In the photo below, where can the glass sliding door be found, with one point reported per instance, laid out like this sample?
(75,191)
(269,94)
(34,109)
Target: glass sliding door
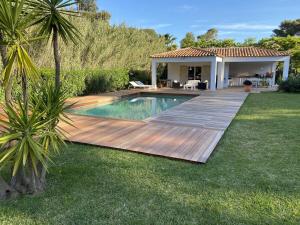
(194,73)
(191,73)
(198,71)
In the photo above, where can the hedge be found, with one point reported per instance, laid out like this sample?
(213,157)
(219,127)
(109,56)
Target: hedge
(97,81)
(141,75)
(145,75)
(292,84)
(79,82)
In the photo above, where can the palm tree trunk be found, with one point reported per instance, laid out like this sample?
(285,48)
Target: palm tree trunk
(3,51)
(56,57)
(6,191)
(25,91)
(20,182)
(26,181)
(8,89)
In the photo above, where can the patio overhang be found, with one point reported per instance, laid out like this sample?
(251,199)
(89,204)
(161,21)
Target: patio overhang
(212,60)
(218,58)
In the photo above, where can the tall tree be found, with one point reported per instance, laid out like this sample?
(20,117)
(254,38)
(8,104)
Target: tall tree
(291,44)
(288,27)
(188,41)
(211,34)
(249,42)
(29,128)
(14,20)
(202,43)
(103,15)
(170,41)
(87,5)
(53,21)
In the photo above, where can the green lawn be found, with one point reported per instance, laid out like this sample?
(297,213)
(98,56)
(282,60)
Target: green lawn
(253,177)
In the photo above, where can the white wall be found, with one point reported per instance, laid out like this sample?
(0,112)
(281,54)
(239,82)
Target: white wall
(240,69)
(184,75)
(205,75)
(179,71)
(173,71)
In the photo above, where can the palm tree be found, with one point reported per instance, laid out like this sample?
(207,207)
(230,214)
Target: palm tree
(169,41)
(3,50)
(14,21)
(53,23)
(27,138)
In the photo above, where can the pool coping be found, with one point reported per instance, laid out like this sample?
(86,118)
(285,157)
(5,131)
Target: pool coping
(115,99)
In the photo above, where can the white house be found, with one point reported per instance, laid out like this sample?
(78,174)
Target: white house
(221,67)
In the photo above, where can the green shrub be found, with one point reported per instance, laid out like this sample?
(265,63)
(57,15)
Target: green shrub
(292,84)
(72,81)
(141,75)
(98,81)
(78,82)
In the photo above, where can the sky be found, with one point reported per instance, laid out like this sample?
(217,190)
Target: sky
(237,19)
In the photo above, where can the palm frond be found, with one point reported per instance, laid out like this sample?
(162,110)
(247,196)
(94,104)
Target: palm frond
(14,20)
(24,132)
(52,102)
(51,14)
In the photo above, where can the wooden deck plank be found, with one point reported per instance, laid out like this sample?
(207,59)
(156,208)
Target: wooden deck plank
(209,110)
(189,131)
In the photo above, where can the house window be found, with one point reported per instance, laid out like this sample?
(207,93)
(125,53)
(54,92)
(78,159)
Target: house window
(191,73)
(194,73)
(198,73)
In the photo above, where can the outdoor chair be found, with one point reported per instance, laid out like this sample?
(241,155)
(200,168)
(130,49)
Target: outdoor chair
(139,84)
(192,84)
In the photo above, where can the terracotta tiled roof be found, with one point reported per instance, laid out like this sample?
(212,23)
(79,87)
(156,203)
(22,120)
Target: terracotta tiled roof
(246,52)
(221,52)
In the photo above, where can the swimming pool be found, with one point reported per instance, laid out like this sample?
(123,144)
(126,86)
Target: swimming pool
(135,107)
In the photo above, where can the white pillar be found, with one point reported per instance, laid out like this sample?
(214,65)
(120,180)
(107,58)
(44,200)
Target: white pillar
(154,73)
(213,74)
(226,75)
(274,66)
(221,72)
(286,68)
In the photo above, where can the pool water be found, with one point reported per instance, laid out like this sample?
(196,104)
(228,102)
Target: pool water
(134,108)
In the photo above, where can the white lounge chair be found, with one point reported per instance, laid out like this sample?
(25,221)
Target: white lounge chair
(191,84)
(139,84)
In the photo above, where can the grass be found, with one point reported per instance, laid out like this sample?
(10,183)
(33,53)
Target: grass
(252,178)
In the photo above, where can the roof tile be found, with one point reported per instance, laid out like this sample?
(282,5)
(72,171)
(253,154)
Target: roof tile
(221,52)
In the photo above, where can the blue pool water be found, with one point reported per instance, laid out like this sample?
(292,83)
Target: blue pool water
(134,108)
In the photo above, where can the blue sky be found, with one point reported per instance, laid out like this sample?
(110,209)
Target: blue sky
(237,19)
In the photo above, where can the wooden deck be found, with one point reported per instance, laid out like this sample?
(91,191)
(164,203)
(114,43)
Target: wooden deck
(213,110)
(189,131)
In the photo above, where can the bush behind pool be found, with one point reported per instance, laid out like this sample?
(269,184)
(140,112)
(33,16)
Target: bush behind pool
(292,84)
